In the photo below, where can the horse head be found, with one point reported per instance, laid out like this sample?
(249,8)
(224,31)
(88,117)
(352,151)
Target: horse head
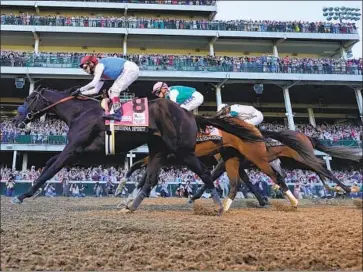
(32,107)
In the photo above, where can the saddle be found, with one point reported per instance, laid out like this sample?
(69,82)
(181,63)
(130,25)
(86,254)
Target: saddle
(209,134)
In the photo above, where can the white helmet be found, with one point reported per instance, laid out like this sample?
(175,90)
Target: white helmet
(157,86)
(221,106)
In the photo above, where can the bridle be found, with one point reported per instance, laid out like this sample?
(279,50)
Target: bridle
(32,114)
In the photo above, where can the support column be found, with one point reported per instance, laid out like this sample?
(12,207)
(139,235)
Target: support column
(311,117)
(125,45)
(31,87)
(327,162)
(36,46)
(25,161)
(218,96)
(211,49)
(358,96)
(290,117)
(15,153)
(36,41)
(343,52)
(275,50)
(126,163)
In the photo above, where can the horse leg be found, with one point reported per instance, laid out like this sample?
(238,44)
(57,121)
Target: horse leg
(243,175)
(195,165)
(150,178)
(262,163)
(55,164)
(231,166)
(216,173)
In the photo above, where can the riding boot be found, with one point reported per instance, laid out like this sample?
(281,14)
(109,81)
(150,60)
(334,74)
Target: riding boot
(117,109)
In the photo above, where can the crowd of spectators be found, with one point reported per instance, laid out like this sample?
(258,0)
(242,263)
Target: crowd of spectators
(41,130)
(105,179)
(262,64)
(172,23)
(325,131)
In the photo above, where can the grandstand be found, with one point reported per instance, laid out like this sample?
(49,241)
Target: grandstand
(304,69)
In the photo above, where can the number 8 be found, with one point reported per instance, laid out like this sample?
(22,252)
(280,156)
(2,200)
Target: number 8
(138,105)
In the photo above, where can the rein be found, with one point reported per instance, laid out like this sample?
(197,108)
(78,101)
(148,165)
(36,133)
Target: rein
(31,115)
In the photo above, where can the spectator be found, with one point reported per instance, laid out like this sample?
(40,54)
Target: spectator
(50,190)
(10,186)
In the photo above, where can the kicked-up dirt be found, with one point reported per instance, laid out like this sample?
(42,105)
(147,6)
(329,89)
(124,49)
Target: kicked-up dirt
(167,234)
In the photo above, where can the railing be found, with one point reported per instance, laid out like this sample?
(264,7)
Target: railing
(122,22)
(350,143)
(61,140)
(160,2)
(35,139)
(204,64)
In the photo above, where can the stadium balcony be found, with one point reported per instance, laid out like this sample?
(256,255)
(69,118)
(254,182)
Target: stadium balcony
(262,64)
(160,2)
(175,24)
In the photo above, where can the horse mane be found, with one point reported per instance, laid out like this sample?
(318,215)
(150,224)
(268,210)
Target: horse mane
(242,130)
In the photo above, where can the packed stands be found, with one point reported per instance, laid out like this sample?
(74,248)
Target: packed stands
(261,64)
(171,23)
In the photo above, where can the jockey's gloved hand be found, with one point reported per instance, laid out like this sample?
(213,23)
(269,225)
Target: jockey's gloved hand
(76,92)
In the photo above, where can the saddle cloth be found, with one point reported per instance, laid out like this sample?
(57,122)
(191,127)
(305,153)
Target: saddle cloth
(135,118)
(209,134)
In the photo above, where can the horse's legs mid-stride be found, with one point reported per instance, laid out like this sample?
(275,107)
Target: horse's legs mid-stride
(195,165)
(153,168)
(257,154)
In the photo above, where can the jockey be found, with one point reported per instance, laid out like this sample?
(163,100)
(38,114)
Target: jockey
(188,98)
(124,73)
(248,114)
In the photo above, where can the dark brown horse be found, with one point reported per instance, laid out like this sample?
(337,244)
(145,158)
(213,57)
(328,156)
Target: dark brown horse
(172,130)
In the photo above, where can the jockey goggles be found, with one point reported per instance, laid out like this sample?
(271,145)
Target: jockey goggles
(158,90)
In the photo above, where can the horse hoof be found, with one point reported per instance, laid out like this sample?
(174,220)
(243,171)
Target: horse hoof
(15,200)
(220,211)
(125,210)
(190,201)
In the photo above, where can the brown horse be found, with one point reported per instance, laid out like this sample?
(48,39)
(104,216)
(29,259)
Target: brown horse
(255,152)
(231,162)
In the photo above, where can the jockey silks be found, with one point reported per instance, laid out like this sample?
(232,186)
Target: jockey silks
(113,67)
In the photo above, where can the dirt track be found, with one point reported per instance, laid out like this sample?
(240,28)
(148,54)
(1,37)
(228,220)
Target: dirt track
(89,234)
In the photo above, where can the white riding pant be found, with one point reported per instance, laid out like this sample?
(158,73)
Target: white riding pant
(255,119)
(194,102)
(130,73)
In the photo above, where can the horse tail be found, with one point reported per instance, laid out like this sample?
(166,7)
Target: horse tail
(137,165)
(342,152)
(290,139)
(226,124)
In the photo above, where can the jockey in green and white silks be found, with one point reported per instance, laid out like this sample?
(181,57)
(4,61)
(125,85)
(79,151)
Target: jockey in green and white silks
(187,97)
(248,114)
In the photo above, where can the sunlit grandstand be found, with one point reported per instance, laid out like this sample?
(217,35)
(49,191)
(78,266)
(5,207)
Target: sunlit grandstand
(302,76)
(301,71)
